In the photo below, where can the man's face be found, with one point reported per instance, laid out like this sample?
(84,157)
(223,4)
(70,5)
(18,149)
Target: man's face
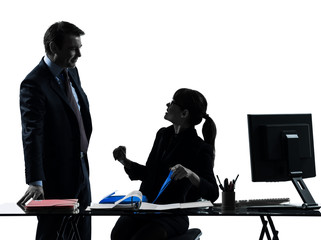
(68,54)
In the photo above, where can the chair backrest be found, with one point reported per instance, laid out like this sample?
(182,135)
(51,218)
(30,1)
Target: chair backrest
(191,234)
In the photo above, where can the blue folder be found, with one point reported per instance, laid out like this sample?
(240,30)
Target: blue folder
(111,198)
(114,198)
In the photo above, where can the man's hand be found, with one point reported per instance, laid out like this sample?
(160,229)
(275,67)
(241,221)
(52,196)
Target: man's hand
(34,192)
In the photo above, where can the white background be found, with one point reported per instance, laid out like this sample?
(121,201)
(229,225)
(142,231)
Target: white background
(244,56)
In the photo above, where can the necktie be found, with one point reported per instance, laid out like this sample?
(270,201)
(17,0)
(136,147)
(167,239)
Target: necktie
(74,105)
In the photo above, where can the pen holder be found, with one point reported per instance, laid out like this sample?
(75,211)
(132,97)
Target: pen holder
(228,202)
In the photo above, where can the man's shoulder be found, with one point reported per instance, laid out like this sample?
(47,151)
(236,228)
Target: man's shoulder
(38,72)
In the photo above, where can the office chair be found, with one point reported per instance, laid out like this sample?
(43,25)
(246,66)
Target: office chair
(191,234)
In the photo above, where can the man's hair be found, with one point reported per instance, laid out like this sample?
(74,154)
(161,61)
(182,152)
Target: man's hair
(56,33)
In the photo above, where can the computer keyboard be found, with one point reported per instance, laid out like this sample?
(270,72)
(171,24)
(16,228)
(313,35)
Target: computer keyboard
(261,202)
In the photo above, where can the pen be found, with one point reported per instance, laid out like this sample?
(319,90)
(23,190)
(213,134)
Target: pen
(221,186)
(226,187)
(231,186)
(234,181)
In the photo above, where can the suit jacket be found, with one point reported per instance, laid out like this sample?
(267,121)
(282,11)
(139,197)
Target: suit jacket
(50,132)
(170,149)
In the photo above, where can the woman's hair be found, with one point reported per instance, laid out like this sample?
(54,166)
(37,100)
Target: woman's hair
(196,104)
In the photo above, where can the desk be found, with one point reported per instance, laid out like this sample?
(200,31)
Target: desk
(265,216)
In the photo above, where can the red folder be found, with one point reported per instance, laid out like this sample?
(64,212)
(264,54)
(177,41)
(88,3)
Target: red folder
(52,204)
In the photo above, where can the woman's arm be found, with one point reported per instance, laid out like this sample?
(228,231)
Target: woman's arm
(120,155)
(134,170)
(200,174)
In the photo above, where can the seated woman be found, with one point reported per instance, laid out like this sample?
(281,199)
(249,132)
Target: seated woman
(180,149)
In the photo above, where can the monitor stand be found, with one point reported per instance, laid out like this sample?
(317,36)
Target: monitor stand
(308,201)
(292,142)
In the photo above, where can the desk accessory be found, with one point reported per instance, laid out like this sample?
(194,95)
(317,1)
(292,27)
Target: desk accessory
(228,194)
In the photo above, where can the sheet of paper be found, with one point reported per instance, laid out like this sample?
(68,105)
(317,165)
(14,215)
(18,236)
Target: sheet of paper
(158,207)
(198,204)
(134,193)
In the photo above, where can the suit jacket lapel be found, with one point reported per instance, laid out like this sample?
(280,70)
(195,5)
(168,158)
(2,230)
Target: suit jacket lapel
(55,86)
(59,91)
(53,82)
(84,106)
(79,90)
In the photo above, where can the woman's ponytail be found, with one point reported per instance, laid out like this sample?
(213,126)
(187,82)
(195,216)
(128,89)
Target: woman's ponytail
(209,131)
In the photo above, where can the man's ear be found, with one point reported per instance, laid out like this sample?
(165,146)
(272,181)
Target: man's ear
(53,47)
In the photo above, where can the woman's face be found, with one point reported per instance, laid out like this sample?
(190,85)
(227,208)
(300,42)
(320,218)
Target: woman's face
(173,113)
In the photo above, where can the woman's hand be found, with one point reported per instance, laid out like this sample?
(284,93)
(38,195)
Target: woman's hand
(120,155)
(180,172)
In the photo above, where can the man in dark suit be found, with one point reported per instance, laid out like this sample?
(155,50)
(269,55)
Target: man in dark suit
(55,134)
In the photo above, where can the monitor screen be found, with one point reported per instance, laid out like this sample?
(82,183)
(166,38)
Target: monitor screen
(279,145)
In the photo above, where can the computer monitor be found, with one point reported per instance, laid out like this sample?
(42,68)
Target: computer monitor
(281,149)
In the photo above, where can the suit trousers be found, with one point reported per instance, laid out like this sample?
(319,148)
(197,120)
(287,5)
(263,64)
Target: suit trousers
(49,225)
